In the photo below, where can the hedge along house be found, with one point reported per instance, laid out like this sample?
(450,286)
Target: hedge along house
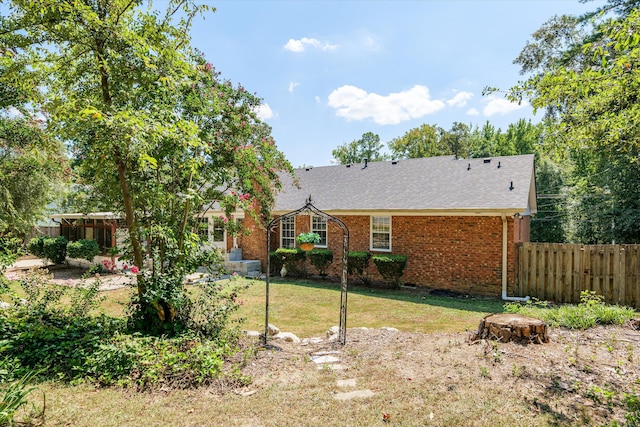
(457,220)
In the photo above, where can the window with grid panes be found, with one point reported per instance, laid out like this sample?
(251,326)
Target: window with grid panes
(381,233)
(319,226)
(288,233)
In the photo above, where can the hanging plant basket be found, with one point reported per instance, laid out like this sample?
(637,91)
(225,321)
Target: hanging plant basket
(307,246)
(307,240)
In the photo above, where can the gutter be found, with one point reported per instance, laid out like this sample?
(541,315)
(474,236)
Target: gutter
(504,264)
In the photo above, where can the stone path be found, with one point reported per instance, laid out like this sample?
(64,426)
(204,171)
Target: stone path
(330,360)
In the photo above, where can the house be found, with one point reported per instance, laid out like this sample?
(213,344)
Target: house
(457,220)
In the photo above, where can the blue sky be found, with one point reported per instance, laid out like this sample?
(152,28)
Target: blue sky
(329,71)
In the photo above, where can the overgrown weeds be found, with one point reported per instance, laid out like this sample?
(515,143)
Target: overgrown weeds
(590,312)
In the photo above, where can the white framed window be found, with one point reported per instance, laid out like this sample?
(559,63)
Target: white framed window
(319,226)
(217,231)
(288,232)
(381,233)
(202,229)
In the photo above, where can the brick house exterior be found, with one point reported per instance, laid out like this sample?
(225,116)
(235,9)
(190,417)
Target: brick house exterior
(452,218)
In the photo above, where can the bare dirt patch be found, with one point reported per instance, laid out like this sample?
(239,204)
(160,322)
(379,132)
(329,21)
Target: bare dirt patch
(578,378)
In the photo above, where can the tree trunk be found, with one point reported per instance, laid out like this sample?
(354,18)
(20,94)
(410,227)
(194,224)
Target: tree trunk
(507,327)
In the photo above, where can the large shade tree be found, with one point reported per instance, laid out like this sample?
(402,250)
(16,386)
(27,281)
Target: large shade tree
(154,130)
(586,77)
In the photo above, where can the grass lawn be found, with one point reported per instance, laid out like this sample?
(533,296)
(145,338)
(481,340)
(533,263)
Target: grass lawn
(436,378)
(309,308)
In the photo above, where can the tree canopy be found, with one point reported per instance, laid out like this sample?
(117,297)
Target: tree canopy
(368,147)
(154,131)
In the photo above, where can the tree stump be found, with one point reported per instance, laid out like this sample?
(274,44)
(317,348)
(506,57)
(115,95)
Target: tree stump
(507,327)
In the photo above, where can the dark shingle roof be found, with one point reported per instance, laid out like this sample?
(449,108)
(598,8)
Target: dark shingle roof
(434,183)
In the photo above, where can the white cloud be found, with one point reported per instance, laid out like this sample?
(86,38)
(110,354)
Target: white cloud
(317,98)
(356,104)
(503,106)
(300,45)
(264,112)
(293,85)
(460,99)
(473,112)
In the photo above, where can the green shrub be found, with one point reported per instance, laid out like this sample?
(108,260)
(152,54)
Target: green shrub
(83,249)
(55,335)
(292,260)
(357,265)
(35,246)
(10,248)
(320,259)
(55,250)
(391,267)
(275,262)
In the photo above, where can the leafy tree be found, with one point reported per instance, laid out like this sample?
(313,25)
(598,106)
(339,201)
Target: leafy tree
(30,170)
(368,147)
(423,141)
(456,140)
(589,89)
(154,131)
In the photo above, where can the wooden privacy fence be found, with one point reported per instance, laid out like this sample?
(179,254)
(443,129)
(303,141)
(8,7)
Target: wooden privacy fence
(559,272)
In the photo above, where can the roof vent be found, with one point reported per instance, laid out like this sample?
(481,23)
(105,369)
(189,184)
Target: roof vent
(469,167)
(366,161)
(307,169)
(349,165)
(394,162)
(499,165)
(487,161)
(511,187)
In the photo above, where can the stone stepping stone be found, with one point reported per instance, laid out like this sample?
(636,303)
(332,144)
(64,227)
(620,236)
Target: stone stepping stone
(326,353)
(321,360)
(354,394)
(346,383)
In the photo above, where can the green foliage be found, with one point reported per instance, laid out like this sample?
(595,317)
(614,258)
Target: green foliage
(368,147)
(275,262)
(51,335)
(36,246)
(156,310)
(55,334)
(32,166)
(320,259)
(14,399)
(164,109)
(591,311)
(291,259)
(55,249)
(308,238)
(147,362)
(211,306)
(83,249)
(391,267)
(358,264)
(10,248)
(423,141)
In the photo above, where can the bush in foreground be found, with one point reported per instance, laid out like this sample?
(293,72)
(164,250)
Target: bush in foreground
(57,333)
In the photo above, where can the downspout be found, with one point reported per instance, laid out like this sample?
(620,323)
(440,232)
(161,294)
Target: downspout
(505,245)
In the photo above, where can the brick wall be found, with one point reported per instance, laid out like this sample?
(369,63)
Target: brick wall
(462,254)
